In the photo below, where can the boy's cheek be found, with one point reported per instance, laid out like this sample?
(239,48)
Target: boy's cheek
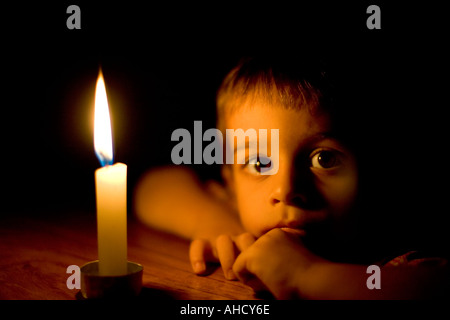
(253,219)
(339,191)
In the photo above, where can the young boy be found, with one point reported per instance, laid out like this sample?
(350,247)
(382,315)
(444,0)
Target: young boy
(297,232)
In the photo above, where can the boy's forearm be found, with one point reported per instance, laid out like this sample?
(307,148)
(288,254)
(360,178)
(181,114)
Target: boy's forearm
(174,200)
(345,281)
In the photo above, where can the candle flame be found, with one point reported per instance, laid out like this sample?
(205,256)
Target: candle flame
(102,124)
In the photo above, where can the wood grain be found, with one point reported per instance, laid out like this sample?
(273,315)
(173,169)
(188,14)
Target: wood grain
(36,251)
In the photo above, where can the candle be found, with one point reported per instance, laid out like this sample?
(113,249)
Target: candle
(111,194)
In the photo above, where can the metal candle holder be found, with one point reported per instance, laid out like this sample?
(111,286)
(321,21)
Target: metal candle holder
(96,286)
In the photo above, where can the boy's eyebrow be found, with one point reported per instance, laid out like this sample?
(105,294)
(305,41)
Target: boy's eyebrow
(319,137)
(243,146)
(308,141)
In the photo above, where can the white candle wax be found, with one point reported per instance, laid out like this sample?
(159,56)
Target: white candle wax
(111,194)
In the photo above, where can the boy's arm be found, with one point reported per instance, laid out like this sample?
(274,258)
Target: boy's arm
(280,263)
(173,199)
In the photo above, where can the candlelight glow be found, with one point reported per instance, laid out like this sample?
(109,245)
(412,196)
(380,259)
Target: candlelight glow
(102,125)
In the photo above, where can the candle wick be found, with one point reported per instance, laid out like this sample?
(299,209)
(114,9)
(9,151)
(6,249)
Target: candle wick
(104,160)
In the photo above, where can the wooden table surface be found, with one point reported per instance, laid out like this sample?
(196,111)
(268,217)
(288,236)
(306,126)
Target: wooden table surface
(36,251)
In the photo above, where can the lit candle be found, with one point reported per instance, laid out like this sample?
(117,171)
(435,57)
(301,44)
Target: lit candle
(111,193)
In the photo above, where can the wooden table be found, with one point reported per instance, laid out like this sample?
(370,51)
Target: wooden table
(36,251)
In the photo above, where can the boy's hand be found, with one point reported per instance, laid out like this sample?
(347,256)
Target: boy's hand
(277,262)
(223,249)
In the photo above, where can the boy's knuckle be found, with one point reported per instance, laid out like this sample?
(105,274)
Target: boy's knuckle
(246,237)
(223,238)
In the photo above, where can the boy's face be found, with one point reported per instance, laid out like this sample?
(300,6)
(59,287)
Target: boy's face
(316,183)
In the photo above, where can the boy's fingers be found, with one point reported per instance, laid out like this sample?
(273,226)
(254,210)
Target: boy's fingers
(244,240)
(226,253)
(200,252)
(240,268)
(246,276)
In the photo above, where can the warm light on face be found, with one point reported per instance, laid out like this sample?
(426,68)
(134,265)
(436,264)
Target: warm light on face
(102,125)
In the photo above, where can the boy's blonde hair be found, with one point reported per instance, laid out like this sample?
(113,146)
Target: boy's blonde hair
(288,83)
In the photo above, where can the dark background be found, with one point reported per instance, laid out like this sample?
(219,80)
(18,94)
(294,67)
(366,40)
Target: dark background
(162,66)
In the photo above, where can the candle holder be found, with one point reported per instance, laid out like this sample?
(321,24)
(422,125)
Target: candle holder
(96,286)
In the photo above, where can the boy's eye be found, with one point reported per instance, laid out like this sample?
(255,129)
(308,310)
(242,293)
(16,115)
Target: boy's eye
(254,165)
(325,159)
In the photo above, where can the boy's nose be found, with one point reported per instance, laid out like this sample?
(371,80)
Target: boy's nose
(295,188)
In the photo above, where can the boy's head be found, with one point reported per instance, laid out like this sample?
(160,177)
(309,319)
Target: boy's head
(315,187)
(290,84)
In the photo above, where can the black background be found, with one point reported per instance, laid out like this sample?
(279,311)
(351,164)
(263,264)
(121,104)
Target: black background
(162,66)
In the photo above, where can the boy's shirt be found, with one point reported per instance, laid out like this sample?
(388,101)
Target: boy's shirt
(415,258)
